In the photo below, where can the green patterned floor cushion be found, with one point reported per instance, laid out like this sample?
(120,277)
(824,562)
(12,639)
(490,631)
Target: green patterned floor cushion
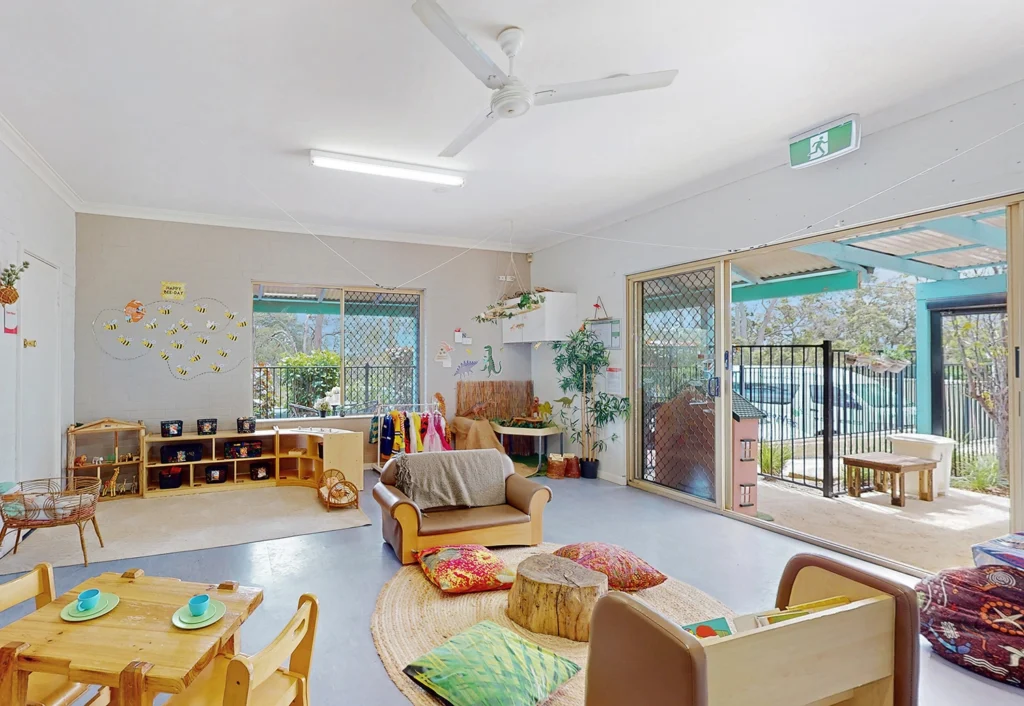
(488,665)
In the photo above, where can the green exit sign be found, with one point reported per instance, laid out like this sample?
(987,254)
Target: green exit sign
(824,143)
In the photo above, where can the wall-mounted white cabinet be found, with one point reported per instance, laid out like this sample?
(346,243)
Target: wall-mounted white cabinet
(554,321)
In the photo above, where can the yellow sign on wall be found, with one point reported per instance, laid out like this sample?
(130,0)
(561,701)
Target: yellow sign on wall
(172,290)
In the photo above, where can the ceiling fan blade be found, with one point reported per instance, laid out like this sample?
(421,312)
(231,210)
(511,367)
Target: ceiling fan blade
(563,92)
(464,48)
(469,134)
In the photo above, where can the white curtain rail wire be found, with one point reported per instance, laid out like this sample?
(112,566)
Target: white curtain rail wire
(793,235)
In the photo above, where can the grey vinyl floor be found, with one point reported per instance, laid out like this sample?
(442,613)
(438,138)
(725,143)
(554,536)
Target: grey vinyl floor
(737,563)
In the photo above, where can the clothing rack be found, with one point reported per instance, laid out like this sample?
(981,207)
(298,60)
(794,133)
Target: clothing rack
(379,411)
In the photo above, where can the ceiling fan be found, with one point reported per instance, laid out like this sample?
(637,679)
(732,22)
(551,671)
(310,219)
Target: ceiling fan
(512,97)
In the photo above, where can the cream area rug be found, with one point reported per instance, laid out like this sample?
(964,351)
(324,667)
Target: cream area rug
(136,527)
(413,616)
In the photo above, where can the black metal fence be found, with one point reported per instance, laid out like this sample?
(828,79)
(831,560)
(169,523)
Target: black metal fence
(821,407)
(281,391)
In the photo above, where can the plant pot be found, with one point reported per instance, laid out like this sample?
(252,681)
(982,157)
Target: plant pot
(8,295)
(588,468)
(323,413)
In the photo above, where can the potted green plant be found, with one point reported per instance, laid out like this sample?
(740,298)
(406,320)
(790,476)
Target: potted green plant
(323,406)
(8,278)
(580,360)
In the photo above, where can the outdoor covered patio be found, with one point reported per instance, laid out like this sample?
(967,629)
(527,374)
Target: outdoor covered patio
(823,401)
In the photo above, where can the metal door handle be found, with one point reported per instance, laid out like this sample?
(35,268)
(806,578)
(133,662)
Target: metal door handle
(28,343)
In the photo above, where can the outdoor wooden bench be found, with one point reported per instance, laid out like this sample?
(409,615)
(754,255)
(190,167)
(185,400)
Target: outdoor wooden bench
(895,465)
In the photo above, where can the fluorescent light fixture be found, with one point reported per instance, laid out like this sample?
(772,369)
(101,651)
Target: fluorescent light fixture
(382,167)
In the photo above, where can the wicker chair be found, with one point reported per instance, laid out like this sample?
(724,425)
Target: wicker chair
(335,491)
(50,502)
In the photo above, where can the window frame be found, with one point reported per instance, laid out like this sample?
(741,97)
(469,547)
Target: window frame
(421,336)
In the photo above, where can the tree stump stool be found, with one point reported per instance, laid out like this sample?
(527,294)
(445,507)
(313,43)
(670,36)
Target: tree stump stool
(555,596)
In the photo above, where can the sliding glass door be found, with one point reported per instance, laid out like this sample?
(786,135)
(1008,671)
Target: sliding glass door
(675,364)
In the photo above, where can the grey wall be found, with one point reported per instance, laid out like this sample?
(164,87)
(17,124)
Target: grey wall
(121,259)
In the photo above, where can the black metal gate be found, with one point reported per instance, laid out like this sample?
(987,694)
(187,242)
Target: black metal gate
(820,406)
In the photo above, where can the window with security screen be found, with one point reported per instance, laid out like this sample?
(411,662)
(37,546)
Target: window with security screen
(321,351)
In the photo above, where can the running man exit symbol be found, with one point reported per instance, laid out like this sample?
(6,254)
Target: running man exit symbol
(825,142)
(819,146)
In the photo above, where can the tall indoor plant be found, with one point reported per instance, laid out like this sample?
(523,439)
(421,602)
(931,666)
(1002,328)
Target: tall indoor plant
(580,360)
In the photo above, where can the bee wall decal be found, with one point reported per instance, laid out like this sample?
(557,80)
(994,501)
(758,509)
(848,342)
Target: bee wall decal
(165,355)
(111,325)
(230,315)
(215,368)
(184,325)
(177,345)
(165,310)
(202,339)
(195,357)
(146,343)
(232,337)
(212,325)
(124,341)
(182,370)
(171,331)
(152,324)
(242,324)
(223,353)
(200,308)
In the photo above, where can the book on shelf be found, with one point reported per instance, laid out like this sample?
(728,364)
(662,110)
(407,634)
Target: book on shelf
(720,627)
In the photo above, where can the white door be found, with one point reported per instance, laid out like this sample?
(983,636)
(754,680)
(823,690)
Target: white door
(38,417)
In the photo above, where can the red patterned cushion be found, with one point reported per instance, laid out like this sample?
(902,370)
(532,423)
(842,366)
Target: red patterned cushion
(624,569)
(465,568)
(975,618)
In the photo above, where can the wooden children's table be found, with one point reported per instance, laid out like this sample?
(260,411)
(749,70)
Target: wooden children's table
(895,465)
(134,650)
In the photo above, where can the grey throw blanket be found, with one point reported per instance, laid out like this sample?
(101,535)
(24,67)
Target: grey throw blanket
(452,479)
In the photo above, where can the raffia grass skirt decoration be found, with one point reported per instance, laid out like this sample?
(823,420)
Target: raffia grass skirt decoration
(413,616)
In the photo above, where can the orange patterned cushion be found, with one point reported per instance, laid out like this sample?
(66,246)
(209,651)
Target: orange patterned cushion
(465,568)
(624,569)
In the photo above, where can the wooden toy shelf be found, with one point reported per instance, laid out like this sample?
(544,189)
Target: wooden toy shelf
(112,440)
(292,455)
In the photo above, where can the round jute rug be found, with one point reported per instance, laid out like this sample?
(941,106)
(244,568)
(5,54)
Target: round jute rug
(413,616)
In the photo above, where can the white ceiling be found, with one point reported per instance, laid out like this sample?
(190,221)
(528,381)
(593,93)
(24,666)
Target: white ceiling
(196,107)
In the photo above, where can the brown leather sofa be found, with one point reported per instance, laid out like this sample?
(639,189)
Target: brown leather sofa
(407,528)
(865,653)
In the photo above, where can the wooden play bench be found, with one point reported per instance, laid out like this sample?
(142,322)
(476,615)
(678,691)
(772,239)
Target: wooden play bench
(895,465)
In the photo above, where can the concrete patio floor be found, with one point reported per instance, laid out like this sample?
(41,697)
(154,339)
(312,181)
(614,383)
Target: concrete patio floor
(929,535)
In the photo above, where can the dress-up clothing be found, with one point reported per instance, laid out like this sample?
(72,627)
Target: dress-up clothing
(435,439)
(398,420)
(374,430)
(415,435)
(387,437)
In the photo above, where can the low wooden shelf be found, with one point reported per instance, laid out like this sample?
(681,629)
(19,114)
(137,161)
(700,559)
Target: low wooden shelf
(293,456)
(125,438)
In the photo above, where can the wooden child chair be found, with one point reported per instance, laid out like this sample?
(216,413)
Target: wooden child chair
(260,680)
(45,689)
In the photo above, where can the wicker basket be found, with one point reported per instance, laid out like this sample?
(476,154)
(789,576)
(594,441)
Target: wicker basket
(49,502)
(8,295)
(337,492)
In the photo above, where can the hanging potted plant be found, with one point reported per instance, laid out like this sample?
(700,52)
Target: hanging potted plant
(8,278)
(524,303)
(580,360)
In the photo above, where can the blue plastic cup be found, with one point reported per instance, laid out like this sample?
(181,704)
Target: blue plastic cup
(88,599)
(197,605)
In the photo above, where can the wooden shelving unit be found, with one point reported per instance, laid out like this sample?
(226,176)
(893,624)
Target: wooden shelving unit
(292,454)
(125,438)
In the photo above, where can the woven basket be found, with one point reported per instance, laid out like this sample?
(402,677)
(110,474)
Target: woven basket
(556,466)
(8,295)
(49,502)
